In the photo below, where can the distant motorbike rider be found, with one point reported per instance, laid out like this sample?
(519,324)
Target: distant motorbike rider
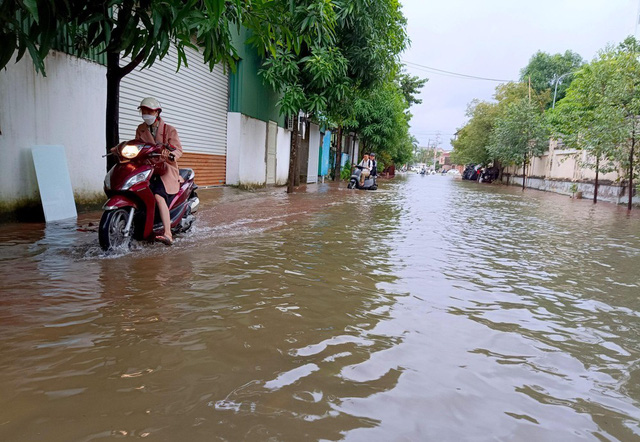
(374,164)
(154,130)
(366,168)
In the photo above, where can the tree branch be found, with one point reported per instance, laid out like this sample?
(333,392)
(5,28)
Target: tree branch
(124,70)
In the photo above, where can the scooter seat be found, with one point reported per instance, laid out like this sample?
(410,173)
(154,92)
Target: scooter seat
(184,173)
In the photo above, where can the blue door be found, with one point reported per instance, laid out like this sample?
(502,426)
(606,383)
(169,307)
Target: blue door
(325,148)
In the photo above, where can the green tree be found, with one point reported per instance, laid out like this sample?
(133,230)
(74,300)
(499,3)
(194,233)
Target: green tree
(519,134)
(383,124)
(474,137)
(371,34)
(623,97)
(602,110)
(583,122)
(301,61)
(545,70)
(410,86)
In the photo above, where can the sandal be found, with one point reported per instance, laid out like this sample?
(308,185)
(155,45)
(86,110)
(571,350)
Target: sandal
(164,240)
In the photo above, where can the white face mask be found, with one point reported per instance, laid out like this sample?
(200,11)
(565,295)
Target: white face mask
(149,119)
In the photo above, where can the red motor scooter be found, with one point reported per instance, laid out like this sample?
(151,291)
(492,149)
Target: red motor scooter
(131,211)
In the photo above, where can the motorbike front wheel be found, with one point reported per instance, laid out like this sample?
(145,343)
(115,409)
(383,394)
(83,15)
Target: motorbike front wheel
(111,230)
(352,184)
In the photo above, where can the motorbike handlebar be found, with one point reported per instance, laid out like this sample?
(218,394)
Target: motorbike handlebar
(172,157)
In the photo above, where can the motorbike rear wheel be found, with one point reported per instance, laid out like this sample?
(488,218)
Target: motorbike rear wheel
(111,229)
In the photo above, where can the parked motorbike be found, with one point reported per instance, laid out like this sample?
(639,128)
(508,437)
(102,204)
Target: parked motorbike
(370,183)
(489,175)
(130,211)
(470,172)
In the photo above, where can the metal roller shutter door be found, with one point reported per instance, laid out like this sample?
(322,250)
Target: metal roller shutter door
(194,101)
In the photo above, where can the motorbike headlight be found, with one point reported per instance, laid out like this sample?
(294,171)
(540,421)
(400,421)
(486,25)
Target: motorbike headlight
(137,178)
(130,151)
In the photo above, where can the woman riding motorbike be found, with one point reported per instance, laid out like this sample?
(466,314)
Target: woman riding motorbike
(154,130)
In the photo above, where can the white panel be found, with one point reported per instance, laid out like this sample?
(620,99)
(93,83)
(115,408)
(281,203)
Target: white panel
(194,101)
(272,133)
(314,152)
(284,152)
(253,164)
(54,183)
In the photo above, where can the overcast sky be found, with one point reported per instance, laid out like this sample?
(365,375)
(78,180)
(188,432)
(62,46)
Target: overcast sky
(495,39)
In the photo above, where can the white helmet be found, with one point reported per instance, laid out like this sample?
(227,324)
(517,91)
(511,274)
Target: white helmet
(150,103)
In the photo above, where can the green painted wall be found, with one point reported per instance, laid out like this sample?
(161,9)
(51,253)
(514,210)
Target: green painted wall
(247,93)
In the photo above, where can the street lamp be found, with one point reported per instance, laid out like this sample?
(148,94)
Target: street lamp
(555,92)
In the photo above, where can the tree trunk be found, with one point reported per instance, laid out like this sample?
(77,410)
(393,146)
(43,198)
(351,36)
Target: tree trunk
(498,166)
(113,104)
(633,145)
(595,189)
(293,155)
(338,165)
(114,75)
(524,171)
(296,172)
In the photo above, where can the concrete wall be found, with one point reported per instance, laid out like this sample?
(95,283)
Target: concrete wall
(563,164)
(606,192)
(558,169)
(246,151)
(246,144)
(67,107)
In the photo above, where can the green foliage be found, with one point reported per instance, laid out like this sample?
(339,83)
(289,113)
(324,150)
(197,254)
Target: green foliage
(382,123)
(143,30)
(371,34)
(410,86)
(301,59)
(600,111)
(545,69)
(473,144)
(519,134)
(573,188)
(470,147)
(345,173)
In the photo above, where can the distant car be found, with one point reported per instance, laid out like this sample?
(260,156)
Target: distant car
(453,172)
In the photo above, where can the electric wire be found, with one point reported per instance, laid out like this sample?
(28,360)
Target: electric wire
(451,74)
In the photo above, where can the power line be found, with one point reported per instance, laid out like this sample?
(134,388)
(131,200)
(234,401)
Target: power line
(451,74)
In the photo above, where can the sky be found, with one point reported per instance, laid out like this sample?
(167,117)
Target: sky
(495,39)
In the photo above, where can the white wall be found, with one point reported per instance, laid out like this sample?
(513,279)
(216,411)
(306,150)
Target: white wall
(233,147)
(314,152)
(283,155)
(246,150)
(67,107)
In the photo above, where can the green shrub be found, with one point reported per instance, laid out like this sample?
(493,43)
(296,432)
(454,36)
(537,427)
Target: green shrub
(345,173)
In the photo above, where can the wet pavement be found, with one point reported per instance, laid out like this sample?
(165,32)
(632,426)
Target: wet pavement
(431,309)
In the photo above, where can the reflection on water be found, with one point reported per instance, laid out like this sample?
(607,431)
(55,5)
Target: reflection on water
(430,309)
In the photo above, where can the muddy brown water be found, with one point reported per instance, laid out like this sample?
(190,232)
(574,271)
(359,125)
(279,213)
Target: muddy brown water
(431,309)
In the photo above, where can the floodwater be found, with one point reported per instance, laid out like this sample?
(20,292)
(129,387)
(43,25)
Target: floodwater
(431,309)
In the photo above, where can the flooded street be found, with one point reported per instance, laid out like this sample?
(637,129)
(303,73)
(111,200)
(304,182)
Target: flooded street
(431,309)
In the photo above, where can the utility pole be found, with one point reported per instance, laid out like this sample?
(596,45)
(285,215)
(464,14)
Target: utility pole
(435,149)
